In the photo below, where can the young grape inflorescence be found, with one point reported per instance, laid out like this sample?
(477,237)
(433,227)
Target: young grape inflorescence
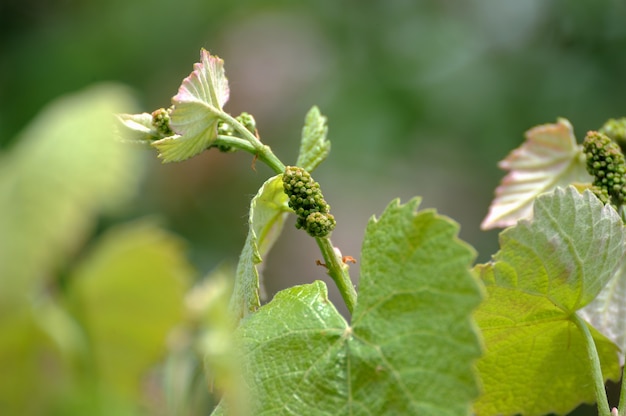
(307,201)
(605,162)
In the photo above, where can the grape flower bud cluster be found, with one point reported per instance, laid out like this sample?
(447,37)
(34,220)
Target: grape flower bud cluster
(616,130)
(307,201)
(161,121)
(605,162)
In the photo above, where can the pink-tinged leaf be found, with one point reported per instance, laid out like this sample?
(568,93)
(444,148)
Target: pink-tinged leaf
(550,157)
(197,109)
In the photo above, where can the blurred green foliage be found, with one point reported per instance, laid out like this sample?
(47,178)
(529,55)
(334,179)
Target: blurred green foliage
(423,98)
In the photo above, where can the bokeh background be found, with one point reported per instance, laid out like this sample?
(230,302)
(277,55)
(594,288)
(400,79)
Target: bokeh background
(423,99)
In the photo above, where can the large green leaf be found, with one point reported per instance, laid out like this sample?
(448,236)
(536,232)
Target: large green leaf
(197,107)
(546,270)
(65,169)
(314,147)
(129,293)
(411,344)
(268,211)
(549,157)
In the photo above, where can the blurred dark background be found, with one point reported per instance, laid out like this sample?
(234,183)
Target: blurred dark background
(423,98)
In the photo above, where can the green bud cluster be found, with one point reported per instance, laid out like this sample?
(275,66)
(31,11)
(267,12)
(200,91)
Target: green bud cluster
(605,162)
(248,122)
(226,129)
(161,121)
(307,201)
(616,130)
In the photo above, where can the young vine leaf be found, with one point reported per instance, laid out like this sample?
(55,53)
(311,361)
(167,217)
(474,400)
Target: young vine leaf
(547,269)
(314,147)
(137,128)
(549,157)
(410,347)
(268,211)
(197,109)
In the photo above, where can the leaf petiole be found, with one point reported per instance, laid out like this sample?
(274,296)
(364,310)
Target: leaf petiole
(622,395)
(256,147)
(596,369)
(338,271)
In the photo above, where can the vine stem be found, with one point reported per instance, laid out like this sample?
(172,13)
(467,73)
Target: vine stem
(338,271)
(596,369)
(622,395)
(262,151)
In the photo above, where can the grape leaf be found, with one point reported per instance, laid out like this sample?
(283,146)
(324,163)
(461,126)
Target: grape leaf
(197,109)
(129,293)
(605,312)
(547,269)
(268,211)
(548,158)
(65,169)
(314,147)
(411,342)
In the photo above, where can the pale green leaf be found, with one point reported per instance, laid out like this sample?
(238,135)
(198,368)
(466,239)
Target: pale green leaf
(550,157)
(314,147)
(129,293)
(607,311)
(268,211)
(66,167)
(547,268)
(197,109)
(410,348)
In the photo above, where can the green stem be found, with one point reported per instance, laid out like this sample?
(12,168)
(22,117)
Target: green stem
(257,148)
(622,395)
(338,271)
(596,369)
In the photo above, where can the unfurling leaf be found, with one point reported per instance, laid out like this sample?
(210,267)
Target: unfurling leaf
(314,147)
(268,211)
(197,109)
(546,270)
(548,158)
(137,128)
(410,347)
